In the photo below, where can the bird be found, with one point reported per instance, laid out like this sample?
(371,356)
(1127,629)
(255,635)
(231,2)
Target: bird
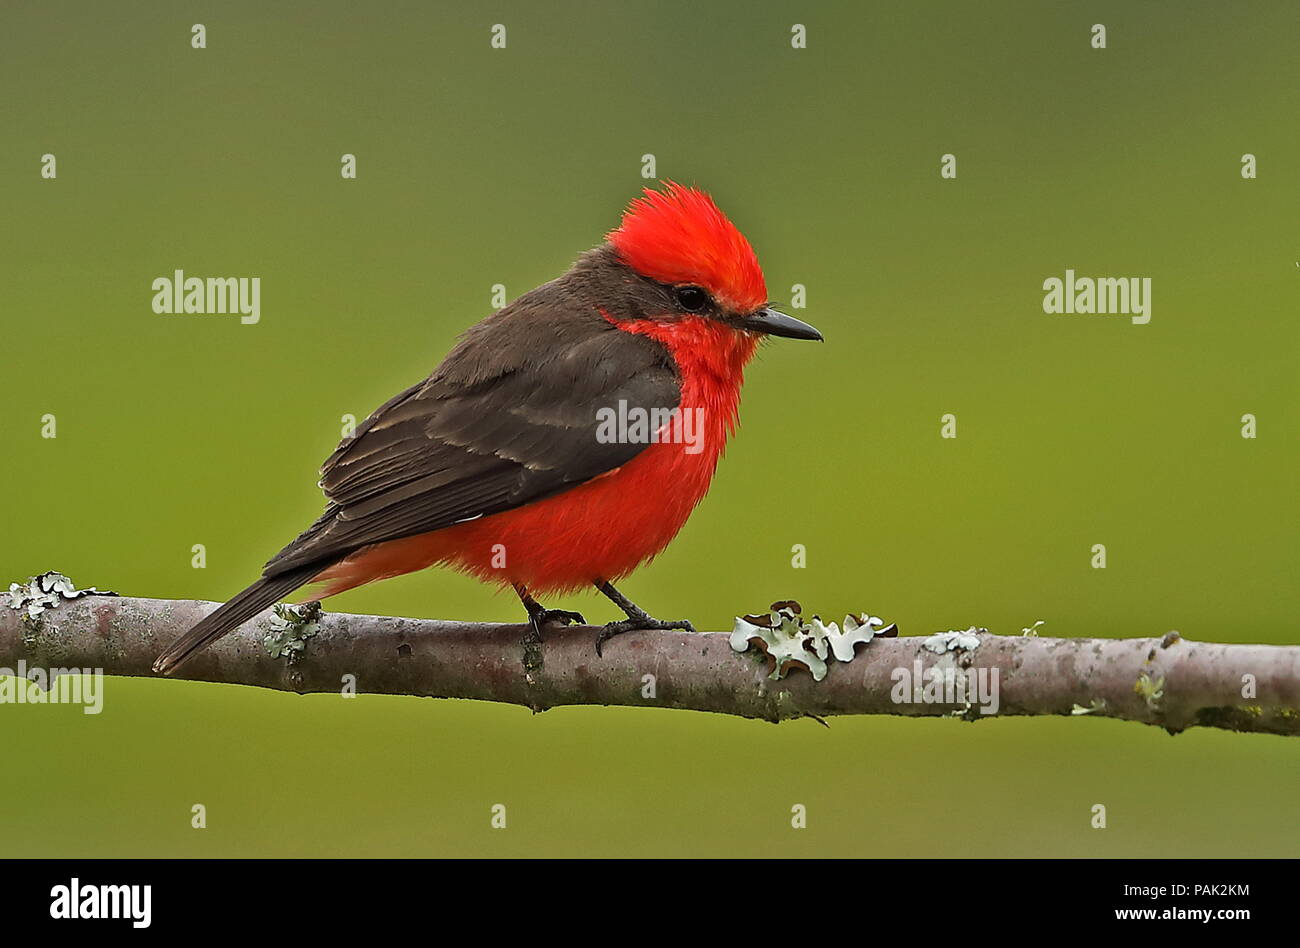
(531,457)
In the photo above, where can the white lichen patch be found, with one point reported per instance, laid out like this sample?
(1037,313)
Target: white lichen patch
(290,627)
(1151,689)
(46,591)
(789,641)
(858,630)
(954,641)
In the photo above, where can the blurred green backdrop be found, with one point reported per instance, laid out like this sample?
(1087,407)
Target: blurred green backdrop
(479,166)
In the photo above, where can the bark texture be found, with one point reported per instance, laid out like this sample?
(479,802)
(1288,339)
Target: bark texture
(1172,683)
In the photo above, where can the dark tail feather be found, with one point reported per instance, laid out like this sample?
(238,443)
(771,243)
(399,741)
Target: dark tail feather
(264,592)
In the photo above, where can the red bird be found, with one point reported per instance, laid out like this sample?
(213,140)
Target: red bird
(508,462)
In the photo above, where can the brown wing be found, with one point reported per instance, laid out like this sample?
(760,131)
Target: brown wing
(508,418)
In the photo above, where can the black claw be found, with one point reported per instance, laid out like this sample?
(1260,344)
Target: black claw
(636,624)
(562,616)
(532,634)
(608,632)
(538,617)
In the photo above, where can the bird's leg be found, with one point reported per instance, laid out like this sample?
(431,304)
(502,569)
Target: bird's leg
(538,617)
(637,618)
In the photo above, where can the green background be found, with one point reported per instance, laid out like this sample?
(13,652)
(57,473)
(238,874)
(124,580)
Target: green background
(480,166)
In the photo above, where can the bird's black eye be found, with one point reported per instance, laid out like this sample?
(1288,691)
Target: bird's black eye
(691,298)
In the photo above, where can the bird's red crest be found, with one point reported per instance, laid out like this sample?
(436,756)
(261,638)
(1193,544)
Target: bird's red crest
(678,235)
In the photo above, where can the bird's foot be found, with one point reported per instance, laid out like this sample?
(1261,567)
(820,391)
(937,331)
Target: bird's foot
(540,617)
(562,616)
(637,622)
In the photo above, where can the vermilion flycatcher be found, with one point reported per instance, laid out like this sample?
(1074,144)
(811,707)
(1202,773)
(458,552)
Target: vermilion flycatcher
(503,463)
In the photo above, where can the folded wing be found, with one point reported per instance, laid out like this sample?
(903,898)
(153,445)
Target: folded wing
(510,417)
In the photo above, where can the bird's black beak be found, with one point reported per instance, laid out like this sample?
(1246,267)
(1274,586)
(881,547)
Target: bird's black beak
(769,322)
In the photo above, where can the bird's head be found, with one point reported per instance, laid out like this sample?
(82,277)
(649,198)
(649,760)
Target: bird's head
(697,264)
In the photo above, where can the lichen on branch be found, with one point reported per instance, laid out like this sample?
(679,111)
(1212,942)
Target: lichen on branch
(1166,681)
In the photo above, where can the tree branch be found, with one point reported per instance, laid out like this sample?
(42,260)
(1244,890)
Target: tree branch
(1171,683)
